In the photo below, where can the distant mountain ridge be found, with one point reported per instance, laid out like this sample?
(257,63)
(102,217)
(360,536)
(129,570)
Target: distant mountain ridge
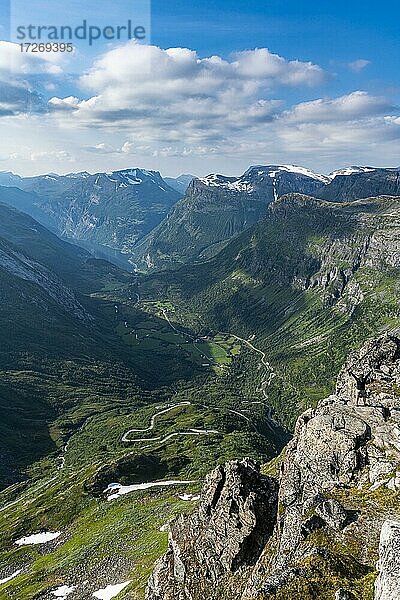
(313,279)
(142,221)
(216,208)
(106,212)
(181,183)
(362,182)
(166,375)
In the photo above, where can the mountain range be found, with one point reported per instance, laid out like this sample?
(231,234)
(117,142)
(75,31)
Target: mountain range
(140,221)
(106,212)
(121,390)
(216,208)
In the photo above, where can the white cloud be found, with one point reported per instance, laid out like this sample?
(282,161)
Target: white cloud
(164,94)
(68,103)
(356,105)
(172,110)
(175,151)
(60,156)
(263,65)
(12,60)
(358,65)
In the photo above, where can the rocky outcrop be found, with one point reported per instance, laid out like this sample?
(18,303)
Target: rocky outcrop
(338,484)
(226,534)
(349,442)
(388,583)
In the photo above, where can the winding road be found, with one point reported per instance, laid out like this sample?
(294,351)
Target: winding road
(191,432)
(153,420)
(265,383)
(160,439)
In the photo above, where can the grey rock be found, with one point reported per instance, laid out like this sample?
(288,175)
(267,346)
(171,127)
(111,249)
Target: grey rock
(237,545)
(333,514)
(342,594)
(350,440)
(388,583)
(227,532)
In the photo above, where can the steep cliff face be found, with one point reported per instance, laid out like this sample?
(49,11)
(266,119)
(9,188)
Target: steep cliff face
(217,208)
(106,212)
(351,184)
(21,266)
(339,485)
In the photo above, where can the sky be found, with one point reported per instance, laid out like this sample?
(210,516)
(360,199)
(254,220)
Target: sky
(215,86)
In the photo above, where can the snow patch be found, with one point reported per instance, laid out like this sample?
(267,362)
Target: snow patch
(110,591)
(242,184)
(63,591)
(273,170)
(189,497)
(306,172)
(7,579)
(38,538)
(351,170)
(121,490)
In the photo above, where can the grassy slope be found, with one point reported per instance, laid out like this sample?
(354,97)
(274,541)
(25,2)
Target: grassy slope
(247,290)
(86,384)
(273,282)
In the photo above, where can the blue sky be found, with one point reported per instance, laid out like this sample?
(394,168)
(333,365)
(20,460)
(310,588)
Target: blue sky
(323,91)
(329,33)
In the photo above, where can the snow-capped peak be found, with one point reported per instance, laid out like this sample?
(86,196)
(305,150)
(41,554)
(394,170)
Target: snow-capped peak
(306,172)
(215,180)
(248,182)
(236,184)
(274,170)
(81,175)
(350,171)
(127,177)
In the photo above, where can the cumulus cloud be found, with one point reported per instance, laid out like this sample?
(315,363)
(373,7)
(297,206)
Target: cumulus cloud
(356,105)
(144,105)
(12,60)
(263,65)
(162,94)
(104,148)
